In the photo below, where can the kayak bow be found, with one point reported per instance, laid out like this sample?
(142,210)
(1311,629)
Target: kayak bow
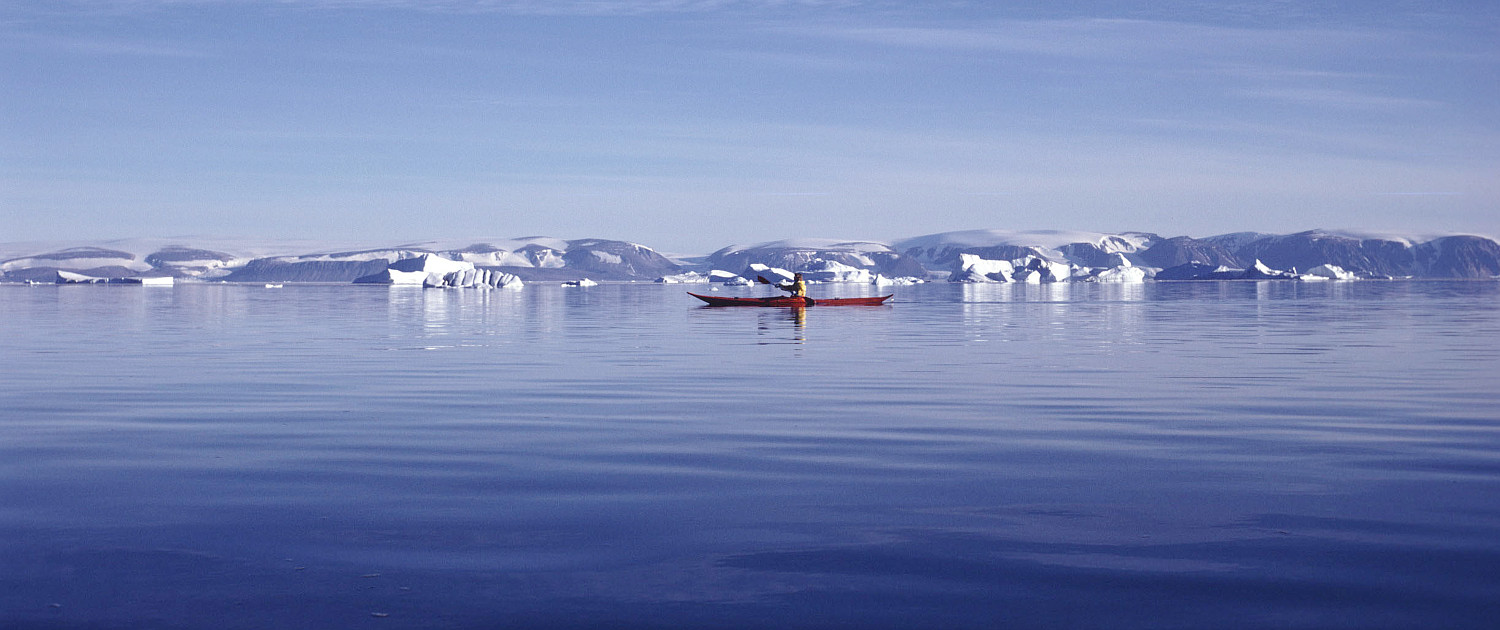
(789,300)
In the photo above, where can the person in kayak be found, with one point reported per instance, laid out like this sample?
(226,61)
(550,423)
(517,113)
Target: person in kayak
(797,287)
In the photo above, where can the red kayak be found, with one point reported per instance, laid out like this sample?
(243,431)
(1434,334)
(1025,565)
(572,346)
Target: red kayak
(787,300)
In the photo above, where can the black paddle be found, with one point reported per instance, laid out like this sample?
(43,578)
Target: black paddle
(763,280)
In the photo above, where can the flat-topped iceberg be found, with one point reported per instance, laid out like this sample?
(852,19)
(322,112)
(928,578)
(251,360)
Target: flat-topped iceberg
(431,270)
(1328,272)
(68,277)
(691,277)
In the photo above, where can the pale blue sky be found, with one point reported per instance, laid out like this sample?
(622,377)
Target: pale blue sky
(687,125)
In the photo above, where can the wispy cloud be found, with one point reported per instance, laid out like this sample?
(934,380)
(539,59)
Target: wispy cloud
(95,46)
(1339,99)
(1097,37)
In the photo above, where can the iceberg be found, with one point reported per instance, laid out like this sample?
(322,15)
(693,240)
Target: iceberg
(431,270)
(1329,272)
(834,271)
(882,281)
(583,282)
(1123,274)
(973,268)
(1038,270)
(68,277)
(691,277)
(1259,271)
(476,278)
(776,275)
(719,275)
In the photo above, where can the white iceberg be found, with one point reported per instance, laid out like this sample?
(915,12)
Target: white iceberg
(1329,272)
(68,277)
(776,275)
(834,271)
(431,270)
(420,270)
(719,275)
(883,281)
(972,262)
(584,282)
(1122,274)
(691,277)
(476,278)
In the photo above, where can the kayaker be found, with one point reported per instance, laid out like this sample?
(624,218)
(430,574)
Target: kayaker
(797,287)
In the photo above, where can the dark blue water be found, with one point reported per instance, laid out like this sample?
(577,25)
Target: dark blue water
(1171,455)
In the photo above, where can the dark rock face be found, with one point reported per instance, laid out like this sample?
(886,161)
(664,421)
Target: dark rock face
(83,260)
(946,257)
(873,257)
(1306,250)
(1459,257)
(1089,255)
(1180,250)
(84,252)
(1199,271)
(169,255)
(49,274)
(282,270)
(617,260)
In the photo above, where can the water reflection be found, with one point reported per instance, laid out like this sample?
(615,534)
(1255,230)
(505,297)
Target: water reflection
(788,323)
(1191,445)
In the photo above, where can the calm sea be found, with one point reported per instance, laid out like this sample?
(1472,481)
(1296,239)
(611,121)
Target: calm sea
(1171,455)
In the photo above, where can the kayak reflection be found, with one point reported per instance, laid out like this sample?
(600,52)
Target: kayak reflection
(773,322)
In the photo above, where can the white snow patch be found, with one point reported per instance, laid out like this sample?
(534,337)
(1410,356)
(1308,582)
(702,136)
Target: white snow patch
(817,244)
(1044,239)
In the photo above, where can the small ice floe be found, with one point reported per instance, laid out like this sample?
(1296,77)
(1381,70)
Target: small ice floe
(585,282)
(273,286)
